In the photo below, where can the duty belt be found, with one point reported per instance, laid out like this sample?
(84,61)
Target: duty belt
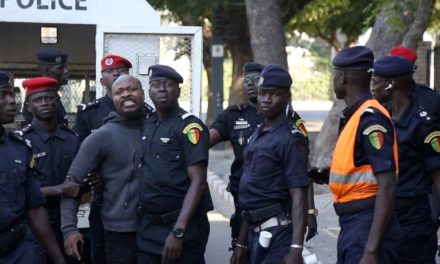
(259,215)
(354,206)
(11,237)
(164,218)
(402,202)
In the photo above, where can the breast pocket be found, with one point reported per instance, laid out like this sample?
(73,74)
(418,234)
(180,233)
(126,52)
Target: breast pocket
(169,155)
(4,179)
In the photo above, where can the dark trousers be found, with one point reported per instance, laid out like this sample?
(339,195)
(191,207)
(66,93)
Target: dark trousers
(22,253)
(279,245)
(121,247)
(151,239)
(352,240)
(97,242)
(419,241)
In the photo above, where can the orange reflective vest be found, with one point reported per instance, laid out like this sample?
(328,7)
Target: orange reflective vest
(348,182)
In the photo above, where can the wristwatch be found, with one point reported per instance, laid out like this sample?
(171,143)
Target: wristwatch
(313,211)
(179,232)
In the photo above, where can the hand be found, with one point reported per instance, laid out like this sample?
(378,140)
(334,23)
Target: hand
(369,258)
(172,249)
(319,176)
(312,227)
(294,257)
(70,188)
(93,181)
(70,245)
(238,256)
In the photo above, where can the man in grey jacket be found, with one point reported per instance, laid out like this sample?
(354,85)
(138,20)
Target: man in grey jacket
(115,151)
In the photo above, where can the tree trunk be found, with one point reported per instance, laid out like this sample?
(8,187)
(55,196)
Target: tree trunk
(382,39)
(415,32)
(266,28)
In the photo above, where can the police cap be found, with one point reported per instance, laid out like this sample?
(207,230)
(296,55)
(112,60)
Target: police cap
(39,84)
(274,76)
(392,66)
(249,67)
(354,58)
(405,52)
(112,61)
(158,71)
(5,80)
(51,56)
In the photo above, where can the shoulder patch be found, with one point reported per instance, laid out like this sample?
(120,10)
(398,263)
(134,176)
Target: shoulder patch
(375,135)
(20,139)
(434,140)
(192,132)
(300,124)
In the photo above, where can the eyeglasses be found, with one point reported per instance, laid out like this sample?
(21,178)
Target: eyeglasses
(168,84)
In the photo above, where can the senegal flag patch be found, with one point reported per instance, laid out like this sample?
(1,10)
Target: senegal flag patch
(434,139)
(301,127)
(192,132)
(375,135)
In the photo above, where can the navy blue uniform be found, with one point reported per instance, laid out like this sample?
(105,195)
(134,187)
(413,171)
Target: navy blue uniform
(171,148)
(18,193)
(61,113)
(418,137)
(274,161)
(355,227)
(53,153)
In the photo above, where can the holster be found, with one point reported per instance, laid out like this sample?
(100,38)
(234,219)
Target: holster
(11,236)
(259,215)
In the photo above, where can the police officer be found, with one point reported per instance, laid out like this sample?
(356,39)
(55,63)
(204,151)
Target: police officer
(273,187)
(54,146)
(114,151)
(236,124)
(418,136)
(89,118)
(174,196)
(19,193)
(52,63)
(364,166)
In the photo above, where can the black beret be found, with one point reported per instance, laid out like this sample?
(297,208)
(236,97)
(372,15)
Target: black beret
(5,80)
(51,56)
(249,67)
(392,66)
(274,76)
(354,58)
(164,72)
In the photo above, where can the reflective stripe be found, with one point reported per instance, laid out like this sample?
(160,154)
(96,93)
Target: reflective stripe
(356,177)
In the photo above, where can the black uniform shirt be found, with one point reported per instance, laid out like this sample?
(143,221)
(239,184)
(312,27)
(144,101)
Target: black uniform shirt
(236,124)
(428,99)
(18,190)
(418,137)
(177,141)
(53,153)
(374,138)
(275,161)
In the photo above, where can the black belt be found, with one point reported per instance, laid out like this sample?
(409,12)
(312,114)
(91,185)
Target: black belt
(354,206)
(10,238)
(164,218)
(259,215)
(402,202)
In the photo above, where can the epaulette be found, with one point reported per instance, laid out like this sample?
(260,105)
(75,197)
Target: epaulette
(18,138)
(23,131)
(424,115)
(82,107)
(368,110)
(185,115)
(149,108)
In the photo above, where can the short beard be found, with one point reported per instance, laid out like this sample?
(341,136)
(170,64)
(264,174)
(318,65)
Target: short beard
(139,113)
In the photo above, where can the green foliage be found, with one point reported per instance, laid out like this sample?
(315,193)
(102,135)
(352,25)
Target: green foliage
(322,18)
(191,11)
(434,26)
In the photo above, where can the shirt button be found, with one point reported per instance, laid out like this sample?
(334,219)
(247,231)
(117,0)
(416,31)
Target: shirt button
(177,156)
(158,157)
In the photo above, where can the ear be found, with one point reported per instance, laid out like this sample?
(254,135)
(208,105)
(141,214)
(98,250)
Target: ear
(343,78)
(178,91)
(27,105)
(102,83)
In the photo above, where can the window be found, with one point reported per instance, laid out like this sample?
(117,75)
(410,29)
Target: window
(49,35)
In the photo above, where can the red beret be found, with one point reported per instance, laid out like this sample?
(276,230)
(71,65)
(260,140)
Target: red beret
(114,61)
(405,52)
(39,84)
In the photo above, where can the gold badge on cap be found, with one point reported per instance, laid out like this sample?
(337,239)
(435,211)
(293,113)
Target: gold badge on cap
(58,59)
(109,61)
(260,81)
